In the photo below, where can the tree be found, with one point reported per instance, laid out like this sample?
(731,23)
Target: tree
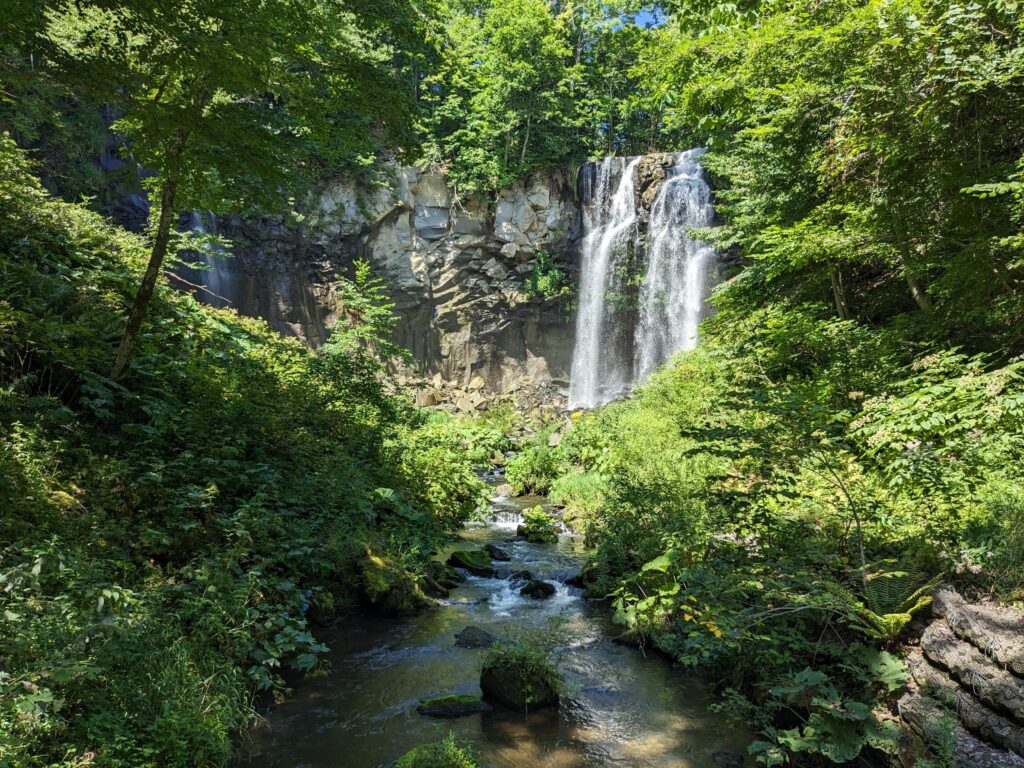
(498,104)
(231,102)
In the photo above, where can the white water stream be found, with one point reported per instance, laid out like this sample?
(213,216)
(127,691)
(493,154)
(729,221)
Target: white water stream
(677,272)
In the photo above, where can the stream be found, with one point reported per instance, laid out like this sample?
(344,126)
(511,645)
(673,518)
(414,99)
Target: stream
(619,708)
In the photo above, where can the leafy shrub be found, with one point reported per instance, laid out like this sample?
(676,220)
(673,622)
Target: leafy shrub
(532,470)
(546,280)
(446,753)
(538,526)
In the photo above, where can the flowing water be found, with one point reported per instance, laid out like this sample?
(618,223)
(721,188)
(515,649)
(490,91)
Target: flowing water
(619,344)
(620,708)
(609,221)
(678,267)
(215,276)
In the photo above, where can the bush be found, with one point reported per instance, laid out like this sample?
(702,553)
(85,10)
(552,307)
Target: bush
(441,754)
(533,469)
(538,526)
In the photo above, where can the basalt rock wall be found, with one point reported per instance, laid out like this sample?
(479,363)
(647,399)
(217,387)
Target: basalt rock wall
(457,270)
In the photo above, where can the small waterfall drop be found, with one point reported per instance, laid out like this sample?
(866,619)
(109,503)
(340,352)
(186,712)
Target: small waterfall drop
(610,227)
(624,333)
(678,267)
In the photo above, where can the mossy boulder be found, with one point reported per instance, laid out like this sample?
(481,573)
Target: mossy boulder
(452,705)
(477,562)
(538,590)
(444,575)
(585,577)
(474,637)
(388,589)
(446,753)
(520,677)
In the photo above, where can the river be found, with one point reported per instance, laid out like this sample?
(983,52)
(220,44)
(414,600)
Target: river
(620,707)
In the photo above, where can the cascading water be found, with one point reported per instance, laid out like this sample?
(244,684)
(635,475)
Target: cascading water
(610,227)
(615,346)
(678,267)
(216,276)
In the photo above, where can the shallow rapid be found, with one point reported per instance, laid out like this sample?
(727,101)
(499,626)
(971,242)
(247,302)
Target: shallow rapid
(619,708)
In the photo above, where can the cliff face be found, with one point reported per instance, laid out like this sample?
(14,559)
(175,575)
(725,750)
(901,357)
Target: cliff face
(457,271)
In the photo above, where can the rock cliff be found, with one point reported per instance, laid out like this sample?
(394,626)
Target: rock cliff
(457,269)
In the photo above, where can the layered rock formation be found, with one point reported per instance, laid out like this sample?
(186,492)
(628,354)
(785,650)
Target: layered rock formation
(456,270)
(967,691)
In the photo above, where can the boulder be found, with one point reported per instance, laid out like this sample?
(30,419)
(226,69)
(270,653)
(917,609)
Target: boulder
(444,574)
(388,589)
(431,223)
(477,562)
(476,383)
(995,686)
(509,688)
(497,553)
(538,590)
(999,631)
(474,637)
(521,576)
(452,705)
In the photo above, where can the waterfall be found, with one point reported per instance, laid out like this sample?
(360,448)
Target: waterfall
(678,267)
(216,278)
(622,335)
(609,226)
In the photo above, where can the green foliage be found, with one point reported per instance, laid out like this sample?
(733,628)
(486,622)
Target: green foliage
(793,487)
(446,753)
(523,84)
(532,469)
(528,661)
(164,548)
(545,280)
(861,152)
(539,526)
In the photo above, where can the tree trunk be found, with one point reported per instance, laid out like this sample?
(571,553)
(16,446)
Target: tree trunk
(917,290)
(526,142)
(836,278)
(156,258)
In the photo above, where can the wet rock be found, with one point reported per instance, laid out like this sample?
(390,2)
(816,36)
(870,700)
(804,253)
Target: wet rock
(538,590)
(511,689)
(497,553)
(474,637)
(477,562)
(584,578)
(432,588)
(452,705)
(631,639)
(521,576)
